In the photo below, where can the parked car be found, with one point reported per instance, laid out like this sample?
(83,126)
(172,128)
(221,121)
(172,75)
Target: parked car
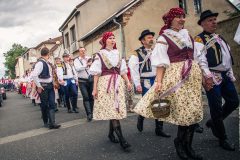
(3,92)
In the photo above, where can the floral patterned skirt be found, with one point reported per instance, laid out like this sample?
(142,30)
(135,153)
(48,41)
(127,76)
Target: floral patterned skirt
(186,103)
(104,108)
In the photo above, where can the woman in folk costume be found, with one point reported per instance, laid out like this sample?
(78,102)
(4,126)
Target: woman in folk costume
(179,63)
(110,71)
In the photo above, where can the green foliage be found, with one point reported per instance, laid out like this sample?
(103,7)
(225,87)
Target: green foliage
(10,58)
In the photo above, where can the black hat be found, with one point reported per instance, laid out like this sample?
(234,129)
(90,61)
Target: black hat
(206,14)
(144,33)
(65,53)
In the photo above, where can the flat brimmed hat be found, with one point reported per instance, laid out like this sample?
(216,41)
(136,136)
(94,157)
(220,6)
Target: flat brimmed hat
(144,33)
(66,53)
(206,14)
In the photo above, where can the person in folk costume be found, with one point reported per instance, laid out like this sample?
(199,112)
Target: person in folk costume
(179,76)
(43,78)
(110,72)
(143,74)
(67,77)
(28,87)
(218,83)
(24,85)
(61,100)
(82,64)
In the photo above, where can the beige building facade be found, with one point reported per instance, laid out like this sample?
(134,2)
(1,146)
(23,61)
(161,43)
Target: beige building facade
(19,67)
(55,45)
(91,18)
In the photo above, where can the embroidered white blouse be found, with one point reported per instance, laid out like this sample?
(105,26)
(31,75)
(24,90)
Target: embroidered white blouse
(160,57)
(133,64)
(113,57)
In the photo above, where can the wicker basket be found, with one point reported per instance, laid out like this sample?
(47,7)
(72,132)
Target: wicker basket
(160,108)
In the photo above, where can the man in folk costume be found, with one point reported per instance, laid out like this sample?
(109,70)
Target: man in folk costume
(82,65)
(43,78)
(110,72)
(219,80)
(178,80)
(143,74)
(67,77)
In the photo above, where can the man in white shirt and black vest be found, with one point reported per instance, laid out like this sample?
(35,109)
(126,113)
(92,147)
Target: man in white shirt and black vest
(67,77)
(219,81)
(82,65)
(43,77)
(143,74)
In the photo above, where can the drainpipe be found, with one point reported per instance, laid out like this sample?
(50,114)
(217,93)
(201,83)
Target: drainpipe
(122,38)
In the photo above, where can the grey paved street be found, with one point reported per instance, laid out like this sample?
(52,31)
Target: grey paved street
(23,138)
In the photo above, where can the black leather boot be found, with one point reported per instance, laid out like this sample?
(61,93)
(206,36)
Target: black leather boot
(210,124)
(44,116)
(52,124)
(223,141)
(159,129)
(198,128)
(123,143)
(188,144)
(111,133)
(179,142)
(88,110)
(140,123)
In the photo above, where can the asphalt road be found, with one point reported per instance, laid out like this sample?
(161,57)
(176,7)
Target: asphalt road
(23,138)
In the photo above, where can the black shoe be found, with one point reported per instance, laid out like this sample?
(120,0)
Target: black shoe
(56,110)
(199,129)
(89,117)
(180,149)
(54,126)
(112,138)
(210,124)
(160,132)
(123,143)
(226,145)
(70,111)
(46,125)
(140,123)
(75,111)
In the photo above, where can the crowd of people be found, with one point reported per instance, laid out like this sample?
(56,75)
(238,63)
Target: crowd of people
(174,67)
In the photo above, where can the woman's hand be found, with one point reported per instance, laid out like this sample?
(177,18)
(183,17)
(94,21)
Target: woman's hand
(95,93)
(129,86)
(158,87)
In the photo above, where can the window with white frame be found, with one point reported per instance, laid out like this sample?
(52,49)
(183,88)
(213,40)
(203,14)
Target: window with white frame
(197,6)
(67,44)
(183,5)
(73,34)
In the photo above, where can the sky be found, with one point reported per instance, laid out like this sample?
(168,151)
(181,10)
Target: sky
(29,22)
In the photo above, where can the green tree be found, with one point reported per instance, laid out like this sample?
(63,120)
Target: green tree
(10,58)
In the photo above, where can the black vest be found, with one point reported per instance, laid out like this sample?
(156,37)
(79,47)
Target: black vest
(141,52)
(214,53)
(45,72)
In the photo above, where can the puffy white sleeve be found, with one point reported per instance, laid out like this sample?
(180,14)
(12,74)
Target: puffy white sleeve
(159,57)
(133,64)
(96,67)
(123,69)
(200,57)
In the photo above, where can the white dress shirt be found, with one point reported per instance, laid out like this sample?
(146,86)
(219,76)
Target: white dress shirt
(37,71)
(81,68)
(237,35)
(113,57)
(160,57)
(226,64)
(71,72)
(133,64)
